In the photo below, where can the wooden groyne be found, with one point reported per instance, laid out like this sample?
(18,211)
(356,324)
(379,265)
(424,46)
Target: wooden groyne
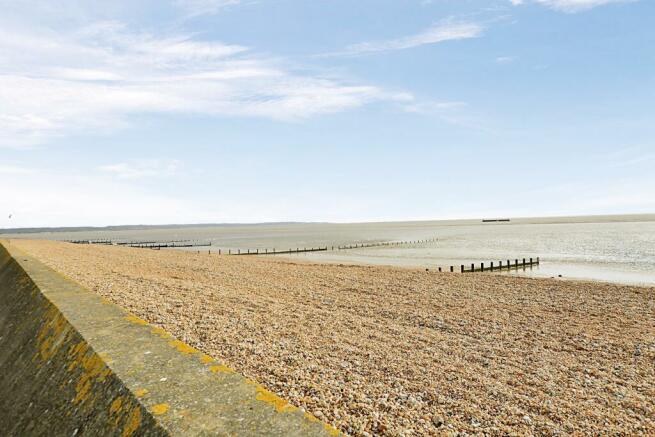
(108,242)
(146,244)
(259,251)
(274,251)
(170,245)
(492,267)
(385,243)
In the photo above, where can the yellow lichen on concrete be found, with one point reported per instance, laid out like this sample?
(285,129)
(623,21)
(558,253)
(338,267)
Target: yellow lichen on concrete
(140,392)
(280,404)
(49,338)
(123,409)
(133,422)
(116,405)
(330,429)
(134,319)
(94,370)
(160,409)
(220,368)
(206,359)
(183,347)
(160,332)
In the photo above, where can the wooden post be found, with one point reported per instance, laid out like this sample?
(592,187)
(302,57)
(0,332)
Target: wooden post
(462,268)
(500,265)
(523,263)
(516,263)
(210,251)
(530,261)
(472,267)
(229,251)
(482,267)
(537,260)
(239,253)
(439,269)
(219,251)
(258,251)
(492,266)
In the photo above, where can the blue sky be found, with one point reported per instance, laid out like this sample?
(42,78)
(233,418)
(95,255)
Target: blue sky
(193,111)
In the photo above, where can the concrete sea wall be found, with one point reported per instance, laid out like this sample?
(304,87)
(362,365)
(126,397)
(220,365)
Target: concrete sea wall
(72,363)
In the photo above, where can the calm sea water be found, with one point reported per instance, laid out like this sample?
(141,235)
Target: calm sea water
(611,248)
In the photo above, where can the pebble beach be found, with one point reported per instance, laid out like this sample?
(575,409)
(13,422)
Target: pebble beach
(392,351)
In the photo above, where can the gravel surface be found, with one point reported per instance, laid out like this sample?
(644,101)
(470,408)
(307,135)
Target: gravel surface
(392,351)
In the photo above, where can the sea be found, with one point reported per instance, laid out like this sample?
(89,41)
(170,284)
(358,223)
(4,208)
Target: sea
(617,249)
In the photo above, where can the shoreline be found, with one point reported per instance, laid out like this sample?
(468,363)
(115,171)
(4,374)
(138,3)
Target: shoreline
(388,350)
(310,258)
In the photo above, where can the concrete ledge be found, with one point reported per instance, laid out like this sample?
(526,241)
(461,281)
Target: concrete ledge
(72,363)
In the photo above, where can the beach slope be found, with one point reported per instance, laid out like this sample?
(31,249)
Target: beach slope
(392,351)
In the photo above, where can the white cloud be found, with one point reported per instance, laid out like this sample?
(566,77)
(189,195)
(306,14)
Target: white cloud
(93,78)
(571,6)
(138,170)
(447,30)
(48,198)
(504,59)
(201,7)
(14,170)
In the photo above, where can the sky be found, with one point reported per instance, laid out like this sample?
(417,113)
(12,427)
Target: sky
(212,111)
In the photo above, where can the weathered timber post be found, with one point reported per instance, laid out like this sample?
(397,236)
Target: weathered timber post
(516,263)
(472,267)
(462,268)
(482,267)
(523,263)
(492,266)
(439,269)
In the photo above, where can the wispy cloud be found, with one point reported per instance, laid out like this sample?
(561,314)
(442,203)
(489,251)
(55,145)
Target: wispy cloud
(505,59)
(94,78)
(138,170)
(6,169)
(202,7)
(570,6)
(448,30)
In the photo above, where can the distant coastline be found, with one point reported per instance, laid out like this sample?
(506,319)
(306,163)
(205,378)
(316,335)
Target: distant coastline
(606,218)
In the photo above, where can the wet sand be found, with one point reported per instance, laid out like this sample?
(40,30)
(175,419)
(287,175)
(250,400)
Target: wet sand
(390,351)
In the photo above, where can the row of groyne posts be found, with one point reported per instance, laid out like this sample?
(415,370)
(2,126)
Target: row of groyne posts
(508,265)
(497,267)
(188,243)
(144,244)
